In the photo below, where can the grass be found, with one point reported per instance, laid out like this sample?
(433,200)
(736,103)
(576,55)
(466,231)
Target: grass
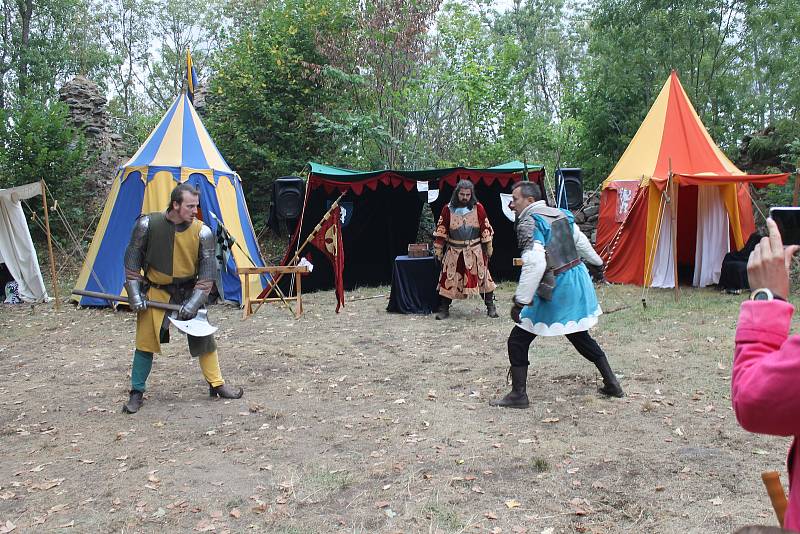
(442,517)
(540,464)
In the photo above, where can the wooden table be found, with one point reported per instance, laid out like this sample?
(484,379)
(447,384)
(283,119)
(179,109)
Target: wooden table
(280,270)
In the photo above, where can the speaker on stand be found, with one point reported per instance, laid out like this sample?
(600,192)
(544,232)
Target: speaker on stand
(288,193)
(569,188)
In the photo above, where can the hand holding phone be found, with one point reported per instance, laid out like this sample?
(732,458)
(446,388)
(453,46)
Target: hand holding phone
(788,220)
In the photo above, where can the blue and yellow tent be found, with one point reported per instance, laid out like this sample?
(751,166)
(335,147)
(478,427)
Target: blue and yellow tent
(178,150)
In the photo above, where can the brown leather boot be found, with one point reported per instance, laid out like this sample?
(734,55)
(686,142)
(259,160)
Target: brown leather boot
(135,402)
(517,397)
(225,391)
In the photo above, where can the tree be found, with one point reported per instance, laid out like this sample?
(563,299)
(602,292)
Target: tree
(43,43)
(631,47)
(268,87)
(40,145)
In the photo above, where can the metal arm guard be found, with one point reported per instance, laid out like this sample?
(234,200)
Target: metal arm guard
(136,300)
(134,254)
(207,263)
(190,308)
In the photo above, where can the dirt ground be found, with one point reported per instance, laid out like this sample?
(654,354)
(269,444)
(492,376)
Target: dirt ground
(373,422)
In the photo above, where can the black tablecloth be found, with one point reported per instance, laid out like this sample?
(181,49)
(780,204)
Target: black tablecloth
(414,285)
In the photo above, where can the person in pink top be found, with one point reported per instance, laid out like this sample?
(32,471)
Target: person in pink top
(765,387)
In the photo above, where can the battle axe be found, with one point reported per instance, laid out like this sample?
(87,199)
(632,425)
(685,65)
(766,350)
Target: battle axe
(198,326)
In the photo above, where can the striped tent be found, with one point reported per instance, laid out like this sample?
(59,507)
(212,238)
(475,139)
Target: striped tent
(674,204)
(178,150)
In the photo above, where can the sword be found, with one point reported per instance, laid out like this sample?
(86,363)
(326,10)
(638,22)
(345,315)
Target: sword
(198,326)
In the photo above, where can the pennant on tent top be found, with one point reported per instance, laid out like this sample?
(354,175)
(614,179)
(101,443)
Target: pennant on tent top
(191,77)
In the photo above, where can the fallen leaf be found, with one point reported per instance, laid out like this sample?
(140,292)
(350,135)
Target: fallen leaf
(57,508)
(205,526)
(490,515)
(381,504)
(551,420)
(47,484)
(235,513)
(512,503)
(525,441)
(67,525)
(8,527)
(716,501)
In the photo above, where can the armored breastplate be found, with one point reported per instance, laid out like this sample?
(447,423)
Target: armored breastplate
(464,226)
(561,249)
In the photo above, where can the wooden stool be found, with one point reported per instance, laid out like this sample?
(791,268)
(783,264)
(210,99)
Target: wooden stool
(300,270)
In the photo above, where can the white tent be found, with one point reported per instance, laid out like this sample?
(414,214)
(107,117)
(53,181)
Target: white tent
(16,245)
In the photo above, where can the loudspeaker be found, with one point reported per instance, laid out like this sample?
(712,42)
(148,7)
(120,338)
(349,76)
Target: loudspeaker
(572,187)
(287,197)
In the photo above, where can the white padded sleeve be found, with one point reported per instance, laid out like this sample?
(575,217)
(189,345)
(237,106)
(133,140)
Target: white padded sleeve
(533,266)
(584,247)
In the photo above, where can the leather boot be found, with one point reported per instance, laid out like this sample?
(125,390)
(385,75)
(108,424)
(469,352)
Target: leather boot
(135,402)
(611,387)
(225,391)
(444,309)
(517,397)
(491,309)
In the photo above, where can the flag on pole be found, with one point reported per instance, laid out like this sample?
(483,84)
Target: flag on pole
(191,77)
(328,239)
(223,249)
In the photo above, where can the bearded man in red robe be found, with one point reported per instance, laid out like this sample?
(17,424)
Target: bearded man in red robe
(463,245)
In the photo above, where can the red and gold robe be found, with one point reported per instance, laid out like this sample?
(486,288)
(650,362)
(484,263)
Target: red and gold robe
(465,262)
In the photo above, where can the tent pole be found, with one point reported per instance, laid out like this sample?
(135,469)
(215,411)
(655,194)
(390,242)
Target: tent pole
(49,244)
(674,213)
(796,194)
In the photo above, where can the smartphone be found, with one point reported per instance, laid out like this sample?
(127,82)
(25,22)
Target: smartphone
(788,220)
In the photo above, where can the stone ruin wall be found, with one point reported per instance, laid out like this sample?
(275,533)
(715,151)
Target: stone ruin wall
(89,114)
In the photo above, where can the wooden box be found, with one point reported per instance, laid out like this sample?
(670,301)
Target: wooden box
(418,250)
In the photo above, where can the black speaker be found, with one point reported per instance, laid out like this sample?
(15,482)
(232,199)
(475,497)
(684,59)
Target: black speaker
(287,197)
(572,187)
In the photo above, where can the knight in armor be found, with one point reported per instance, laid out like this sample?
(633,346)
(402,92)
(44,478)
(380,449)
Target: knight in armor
(170,258)
(463,245)
(555,295)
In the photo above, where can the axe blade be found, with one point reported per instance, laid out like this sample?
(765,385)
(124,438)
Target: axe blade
(198,327)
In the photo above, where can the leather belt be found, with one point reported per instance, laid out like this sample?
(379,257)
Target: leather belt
(463,244)
(566,267)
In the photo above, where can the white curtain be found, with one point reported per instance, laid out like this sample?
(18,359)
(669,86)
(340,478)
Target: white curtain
(664,262)
(16,246)
(713,240)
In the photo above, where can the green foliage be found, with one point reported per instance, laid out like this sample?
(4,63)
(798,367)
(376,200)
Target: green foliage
(266,96)
(40,145)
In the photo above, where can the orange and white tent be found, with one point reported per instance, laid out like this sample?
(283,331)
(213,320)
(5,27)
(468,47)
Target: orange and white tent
(673,180)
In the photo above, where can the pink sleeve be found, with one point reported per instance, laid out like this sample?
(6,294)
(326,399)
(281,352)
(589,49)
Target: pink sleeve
(765,385)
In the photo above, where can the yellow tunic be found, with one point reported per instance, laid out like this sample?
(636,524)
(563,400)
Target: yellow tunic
(185,253)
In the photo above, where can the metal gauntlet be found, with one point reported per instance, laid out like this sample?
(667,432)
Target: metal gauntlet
(192,305)
(136,299)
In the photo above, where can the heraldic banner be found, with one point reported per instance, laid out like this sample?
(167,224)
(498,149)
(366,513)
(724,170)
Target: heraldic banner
(329,241)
